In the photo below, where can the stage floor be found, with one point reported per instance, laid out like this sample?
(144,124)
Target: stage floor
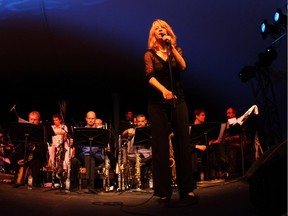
(230,197)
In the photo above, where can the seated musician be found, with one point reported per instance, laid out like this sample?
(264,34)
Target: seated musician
(231,141)
(35,155)
(59,149)
(145,152)
(198,147)
(92,157)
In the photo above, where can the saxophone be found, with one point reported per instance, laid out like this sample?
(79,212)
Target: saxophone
(138,170)
(119,166)
(106,170)
(172,160)
(23,170)
(60,155)
(123,168)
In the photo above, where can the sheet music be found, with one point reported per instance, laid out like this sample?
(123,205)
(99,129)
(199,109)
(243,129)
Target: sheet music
(222,129)
(21,120)
(243,118)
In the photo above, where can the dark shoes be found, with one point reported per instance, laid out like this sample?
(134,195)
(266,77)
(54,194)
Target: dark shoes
(164,199)
(17,185)
(190,197)
(189,200)
(184,200)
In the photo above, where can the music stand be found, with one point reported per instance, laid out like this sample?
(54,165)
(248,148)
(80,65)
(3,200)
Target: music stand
(84,136)
(206,131)
(26,132)
(143,138)
(95,136)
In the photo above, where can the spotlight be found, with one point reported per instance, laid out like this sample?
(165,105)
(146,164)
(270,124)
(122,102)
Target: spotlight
(279,18)
(268,56)
(267,29)
(247,73)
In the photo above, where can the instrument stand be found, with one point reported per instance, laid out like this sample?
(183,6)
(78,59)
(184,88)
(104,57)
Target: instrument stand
(68,180)
(241,132)
(142,138)
(123,166)
(27,133)
(94,136)
(61,180)
(206,131)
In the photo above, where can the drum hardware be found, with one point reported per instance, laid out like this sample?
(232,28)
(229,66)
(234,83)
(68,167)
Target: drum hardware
(5,163)
(3,156)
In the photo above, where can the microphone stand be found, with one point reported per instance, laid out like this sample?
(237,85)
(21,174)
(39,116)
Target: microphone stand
(168,47)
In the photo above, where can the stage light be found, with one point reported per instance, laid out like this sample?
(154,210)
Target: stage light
(267,29)
(268,56)
(279,18)
(247,73)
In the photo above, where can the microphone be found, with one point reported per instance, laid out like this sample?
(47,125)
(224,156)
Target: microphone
(166,40)
(12,108)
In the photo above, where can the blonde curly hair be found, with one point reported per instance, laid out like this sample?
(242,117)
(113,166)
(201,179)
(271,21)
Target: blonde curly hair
(152,42)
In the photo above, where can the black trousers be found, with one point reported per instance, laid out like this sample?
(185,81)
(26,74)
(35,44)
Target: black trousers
(164,119)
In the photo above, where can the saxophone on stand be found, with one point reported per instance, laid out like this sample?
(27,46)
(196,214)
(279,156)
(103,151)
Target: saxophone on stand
(70,149)
(59,155)
(123,168)
(106,170)
(172,160)
(119,165)
(24,168)
(138,170)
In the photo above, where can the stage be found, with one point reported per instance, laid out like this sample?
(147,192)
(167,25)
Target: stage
(223,197)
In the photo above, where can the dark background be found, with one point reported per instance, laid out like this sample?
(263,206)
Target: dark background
(89,53)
